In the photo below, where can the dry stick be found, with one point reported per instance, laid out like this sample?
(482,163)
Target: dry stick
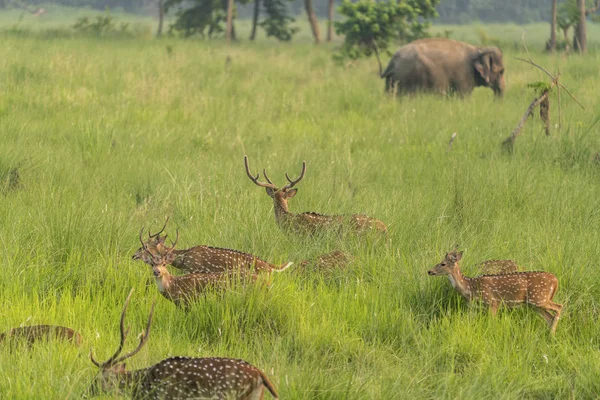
(513,136)
(451,141)
(537,101)
(378,59)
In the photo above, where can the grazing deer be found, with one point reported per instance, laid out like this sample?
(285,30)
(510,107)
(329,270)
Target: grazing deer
(182,290)
(513,289)
(179,377)
(497,267)
(328,262)
(207,259)
(36,333)
(309,222)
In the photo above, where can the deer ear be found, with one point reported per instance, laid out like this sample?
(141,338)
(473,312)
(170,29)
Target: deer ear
(291,193)
(458,256)
(270,191)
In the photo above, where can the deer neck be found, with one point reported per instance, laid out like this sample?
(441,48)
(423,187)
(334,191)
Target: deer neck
(281,210)
(460,283)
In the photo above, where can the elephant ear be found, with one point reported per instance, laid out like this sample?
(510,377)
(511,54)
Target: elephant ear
(482,64)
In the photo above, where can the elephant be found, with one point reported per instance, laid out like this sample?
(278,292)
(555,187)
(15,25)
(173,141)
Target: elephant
(444,66)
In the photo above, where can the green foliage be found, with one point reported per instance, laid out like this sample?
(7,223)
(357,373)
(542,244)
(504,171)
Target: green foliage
(203,18)
(539,86)
(371,25)
(277,23)
(102,25)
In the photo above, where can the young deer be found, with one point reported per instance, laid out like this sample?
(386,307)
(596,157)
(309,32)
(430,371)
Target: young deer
(328,262)
(179,377)
(513,289)
(182,290)
(309,222)
(497,267)
(36,333)
(207,259)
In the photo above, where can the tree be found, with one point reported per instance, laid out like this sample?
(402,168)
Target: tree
(312,19)
(255,19)
(277,24)
(551,45)
(580,37)
(161,17)
(229,31)
(330,20)
(371,26)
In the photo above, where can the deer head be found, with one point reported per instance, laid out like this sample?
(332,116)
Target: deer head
(112,371)
(448,264)
(278,195)
(158,259)
(155,242)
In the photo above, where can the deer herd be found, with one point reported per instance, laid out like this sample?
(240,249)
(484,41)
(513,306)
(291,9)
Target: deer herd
(207,268)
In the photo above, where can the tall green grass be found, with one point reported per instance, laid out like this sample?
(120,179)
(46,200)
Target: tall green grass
(111,136)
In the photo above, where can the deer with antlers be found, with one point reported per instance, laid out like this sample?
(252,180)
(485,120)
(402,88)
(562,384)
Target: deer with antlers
(179,377)
(35,333)
(535,288)
(309,222)
(183,290)
(206,259)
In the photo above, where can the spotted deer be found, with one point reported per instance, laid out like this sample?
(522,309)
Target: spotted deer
(309,222)
(497,267)
(183,290)
(536,289)
(207,259)
(328,262)
(179,377)
(35,333)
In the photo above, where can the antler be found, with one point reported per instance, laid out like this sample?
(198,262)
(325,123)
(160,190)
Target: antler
(170,249)
(159,232)
(142,240)
(124,333)
(291,182)
(115,359)
(255,178)
(143,339)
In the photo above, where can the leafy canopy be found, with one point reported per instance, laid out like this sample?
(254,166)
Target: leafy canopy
(370,26)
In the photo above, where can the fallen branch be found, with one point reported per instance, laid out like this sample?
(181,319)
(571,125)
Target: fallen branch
(543,100)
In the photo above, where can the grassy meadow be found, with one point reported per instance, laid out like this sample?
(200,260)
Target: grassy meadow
(101,137)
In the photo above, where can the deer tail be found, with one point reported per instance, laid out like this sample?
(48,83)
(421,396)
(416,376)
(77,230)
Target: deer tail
(269,385)
(283,267)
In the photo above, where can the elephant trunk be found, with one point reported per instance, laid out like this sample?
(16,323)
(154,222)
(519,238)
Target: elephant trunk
(499,87)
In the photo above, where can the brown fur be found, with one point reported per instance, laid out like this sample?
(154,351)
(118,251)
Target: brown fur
(310,222)
(535,288)
(36,333)
(331,261)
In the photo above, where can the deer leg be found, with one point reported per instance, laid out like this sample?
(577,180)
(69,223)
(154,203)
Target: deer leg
(494,308)
(546,315)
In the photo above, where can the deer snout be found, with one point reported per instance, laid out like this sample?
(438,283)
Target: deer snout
(156,272)
(431,272)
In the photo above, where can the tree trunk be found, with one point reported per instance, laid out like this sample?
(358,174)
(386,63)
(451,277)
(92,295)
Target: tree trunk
(229,31)
(552,43)
(330,21)
(312,18)
(580,36)
(161,17)
(255,19)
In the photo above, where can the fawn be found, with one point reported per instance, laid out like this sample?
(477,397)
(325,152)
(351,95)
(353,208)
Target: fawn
(179,377)
(328,262)
(513,289)
(36,333)
(207,259)
(182,290)
(309,222)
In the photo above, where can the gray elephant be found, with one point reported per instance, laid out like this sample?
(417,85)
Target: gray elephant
(444,66)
